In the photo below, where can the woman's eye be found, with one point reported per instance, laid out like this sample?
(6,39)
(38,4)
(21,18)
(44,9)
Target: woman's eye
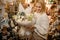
(38,6)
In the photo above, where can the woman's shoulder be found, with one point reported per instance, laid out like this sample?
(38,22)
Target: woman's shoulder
(44,15)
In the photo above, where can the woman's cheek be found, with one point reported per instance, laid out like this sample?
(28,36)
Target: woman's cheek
(39,9)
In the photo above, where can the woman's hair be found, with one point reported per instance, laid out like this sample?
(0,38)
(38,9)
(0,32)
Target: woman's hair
(0,9)
(32,1)
(42,2)
(54,2)
(59,11)
(52,7)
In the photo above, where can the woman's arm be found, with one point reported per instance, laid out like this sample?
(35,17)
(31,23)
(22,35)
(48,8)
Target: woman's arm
(43,25)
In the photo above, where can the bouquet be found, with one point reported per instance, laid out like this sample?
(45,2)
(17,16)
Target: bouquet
(24,19)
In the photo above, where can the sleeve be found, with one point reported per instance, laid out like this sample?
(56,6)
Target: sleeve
(43,25)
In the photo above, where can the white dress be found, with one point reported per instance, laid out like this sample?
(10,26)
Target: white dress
(42,24)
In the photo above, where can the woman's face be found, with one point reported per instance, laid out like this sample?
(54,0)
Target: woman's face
(38,7)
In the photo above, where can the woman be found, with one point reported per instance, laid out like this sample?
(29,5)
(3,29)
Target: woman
(41,21)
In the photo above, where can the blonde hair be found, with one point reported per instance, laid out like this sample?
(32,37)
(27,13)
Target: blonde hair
(42,2)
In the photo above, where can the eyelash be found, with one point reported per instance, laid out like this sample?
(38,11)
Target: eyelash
(38,7)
